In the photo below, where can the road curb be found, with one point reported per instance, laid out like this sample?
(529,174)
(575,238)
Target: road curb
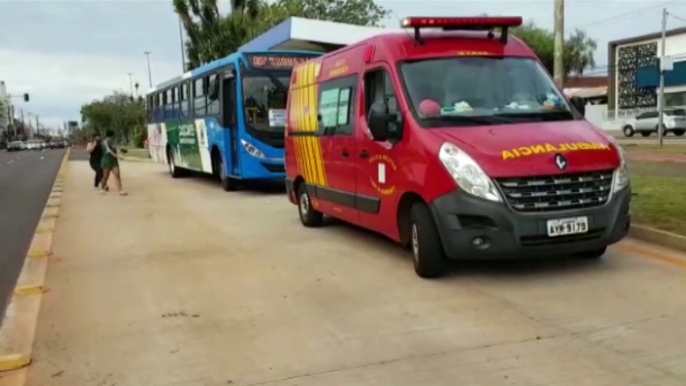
(659,237)
(17,332)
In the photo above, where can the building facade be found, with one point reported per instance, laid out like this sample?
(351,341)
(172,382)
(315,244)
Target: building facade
(634,72)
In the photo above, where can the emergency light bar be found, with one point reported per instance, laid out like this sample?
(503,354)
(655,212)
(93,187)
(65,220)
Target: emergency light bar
(461,23)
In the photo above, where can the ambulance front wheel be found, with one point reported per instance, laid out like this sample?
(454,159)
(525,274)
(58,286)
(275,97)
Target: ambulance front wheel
(308,215)
(427,250)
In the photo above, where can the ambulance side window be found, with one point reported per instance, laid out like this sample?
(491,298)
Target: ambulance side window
(336,106)
(378,87)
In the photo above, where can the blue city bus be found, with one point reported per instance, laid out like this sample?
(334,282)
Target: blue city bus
(225,118)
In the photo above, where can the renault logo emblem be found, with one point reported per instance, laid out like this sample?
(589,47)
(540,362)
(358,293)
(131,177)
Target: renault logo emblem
(560,161)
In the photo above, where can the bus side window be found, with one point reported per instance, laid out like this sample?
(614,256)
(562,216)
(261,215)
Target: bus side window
(199,95)
(167,103)
(213,99)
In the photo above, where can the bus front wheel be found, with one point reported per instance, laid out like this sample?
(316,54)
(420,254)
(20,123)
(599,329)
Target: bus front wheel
(228,184)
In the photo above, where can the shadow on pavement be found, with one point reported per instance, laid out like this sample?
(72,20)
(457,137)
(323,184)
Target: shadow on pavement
(516,268)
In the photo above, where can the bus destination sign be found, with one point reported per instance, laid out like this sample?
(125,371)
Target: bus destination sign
(275,62)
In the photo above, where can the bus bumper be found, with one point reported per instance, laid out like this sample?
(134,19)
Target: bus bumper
(463,219)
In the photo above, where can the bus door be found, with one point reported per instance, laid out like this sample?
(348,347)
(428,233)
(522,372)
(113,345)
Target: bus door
(230,121)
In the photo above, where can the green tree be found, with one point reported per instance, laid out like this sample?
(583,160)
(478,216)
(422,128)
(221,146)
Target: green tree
(358,12)
(117,112)
(210,35)
(578,48)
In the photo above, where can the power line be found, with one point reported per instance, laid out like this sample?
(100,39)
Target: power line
(626,14)
(677,17)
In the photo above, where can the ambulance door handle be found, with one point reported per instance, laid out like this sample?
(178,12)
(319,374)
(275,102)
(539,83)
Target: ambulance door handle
(364,154)
(345,153)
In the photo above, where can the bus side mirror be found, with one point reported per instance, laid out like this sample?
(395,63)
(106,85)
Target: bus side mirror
(382,124)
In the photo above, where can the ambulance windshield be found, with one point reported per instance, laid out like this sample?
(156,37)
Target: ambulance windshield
(482,90)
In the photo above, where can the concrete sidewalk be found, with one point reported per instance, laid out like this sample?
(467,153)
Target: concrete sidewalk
(181,283)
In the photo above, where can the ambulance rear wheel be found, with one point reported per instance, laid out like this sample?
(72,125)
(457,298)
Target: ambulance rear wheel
(308,215)
(427,250)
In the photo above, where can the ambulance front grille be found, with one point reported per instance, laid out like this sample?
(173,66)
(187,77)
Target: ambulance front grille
(557,192)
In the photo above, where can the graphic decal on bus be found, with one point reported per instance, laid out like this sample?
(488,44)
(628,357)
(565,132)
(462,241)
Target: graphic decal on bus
(189,142)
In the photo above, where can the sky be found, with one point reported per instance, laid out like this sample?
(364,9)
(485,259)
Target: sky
(67,53)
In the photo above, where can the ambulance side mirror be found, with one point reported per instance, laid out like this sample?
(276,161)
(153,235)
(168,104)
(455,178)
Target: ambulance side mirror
(383,125)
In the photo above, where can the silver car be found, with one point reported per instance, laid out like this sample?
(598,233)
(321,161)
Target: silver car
(647,123)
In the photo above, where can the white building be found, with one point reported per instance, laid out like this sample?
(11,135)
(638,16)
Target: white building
(634,75)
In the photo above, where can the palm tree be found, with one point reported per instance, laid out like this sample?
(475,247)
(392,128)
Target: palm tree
(211,36)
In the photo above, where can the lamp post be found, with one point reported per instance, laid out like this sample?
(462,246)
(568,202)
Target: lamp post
(147,54)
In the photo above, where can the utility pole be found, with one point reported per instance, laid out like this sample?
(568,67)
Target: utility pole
(661,102)
(130,83)
(23,127)
(558,70)
(183,55)
(147,54)
(37,125)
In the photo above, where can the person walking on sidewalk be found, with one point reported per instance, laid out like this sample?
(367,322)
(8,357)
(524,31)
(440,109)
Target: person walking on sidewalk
(94,147)
(110,163)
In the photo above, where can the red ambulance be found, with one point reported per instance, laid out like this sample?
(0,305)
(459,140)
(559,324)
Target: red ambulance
(452,139)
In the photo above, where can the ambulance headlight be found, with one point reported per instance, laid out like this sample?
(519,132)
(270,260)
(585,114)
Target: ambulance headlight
(621,175)
(467,173)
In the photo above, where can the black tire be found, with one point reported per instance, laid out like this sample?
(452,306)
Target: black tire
(174,171)
(679,132)
(594,254)
(628,131)
(425,242)
(228,184)
(657,131)
(309,217)
(646,133)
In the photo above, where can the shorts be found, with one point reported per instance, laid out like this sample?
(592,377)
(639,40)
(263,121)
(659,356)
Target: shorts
(109,162)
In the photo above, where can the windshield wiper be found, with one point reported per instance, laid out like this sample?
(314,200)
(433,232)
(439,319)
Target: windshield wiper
(553,115)
(477,119)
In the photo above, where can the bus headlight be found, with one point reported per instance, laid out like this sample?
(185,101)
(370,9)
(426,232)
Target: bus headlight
(621,175)
(467,174)
(252,150)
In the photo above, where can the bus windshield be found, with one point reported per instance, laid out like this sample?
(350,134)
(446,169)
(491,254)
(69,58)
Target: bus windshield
(265,94)
(482,90)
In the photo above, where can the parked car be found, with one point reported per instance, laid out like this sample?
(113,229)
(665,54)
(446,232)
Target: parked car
(647,123)
(16,146)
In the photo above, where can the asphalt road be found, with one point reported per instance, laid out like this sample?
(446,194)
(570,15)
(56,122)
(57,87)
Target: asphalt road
(26,179)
